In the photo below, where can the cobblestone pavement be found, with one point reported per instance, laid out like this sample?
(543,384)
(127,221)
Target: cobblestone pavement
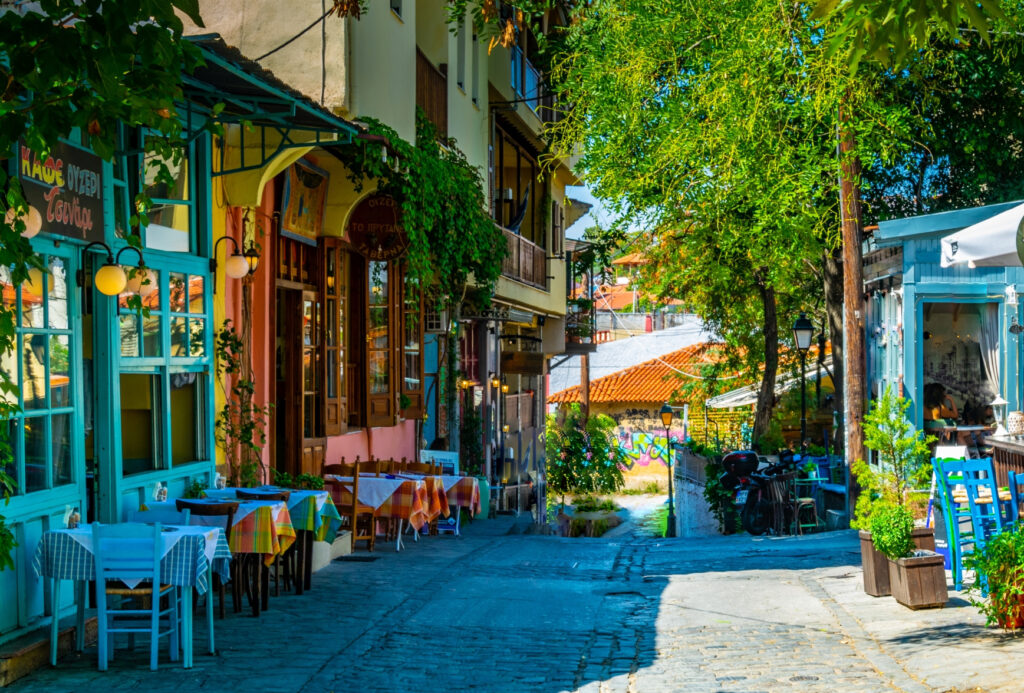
(492,611)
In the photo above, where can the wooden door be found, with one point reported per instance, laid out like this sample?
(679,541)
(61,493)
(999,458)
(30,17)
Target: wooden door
(311,383)
(299,444)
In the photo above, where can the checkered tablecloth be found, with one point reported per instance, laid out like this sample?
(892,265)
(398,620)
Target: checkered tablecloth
(463,492)
(267,530)
(409,502)
(436,500)
(60,555)
(310,510)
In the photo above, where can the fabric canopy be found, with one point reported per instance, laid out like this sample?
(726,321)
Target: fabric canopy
(989,243)
(745,396)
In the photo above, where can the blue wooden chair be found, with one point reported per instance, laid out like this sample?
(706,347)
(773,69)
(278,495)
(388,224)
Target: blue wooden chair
(131,552)
(1016,482)
(987,518)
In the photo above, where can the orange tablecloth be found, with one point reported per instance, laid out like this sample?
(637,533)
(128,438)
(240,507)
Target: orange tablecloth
(263,531)
(464,493)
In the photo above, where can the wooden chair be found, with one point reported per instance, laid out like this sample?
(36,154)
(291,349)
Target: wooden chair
(252,494)
(379,467)
(780,496)
(226,510)
(1016,484)
(361,518)
(421,468)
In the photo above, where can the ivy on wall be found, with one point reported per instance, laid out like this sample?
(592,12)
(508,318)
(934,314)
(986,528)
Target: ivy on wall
(443,206)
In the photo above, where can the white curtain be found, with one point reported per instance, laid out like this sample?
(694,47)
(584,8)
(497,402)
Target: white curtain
(990,346)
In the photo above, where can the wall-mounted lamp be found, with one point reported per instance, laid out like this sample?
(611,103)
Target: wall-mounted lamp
(32,219)
(504,388)
(495,381)
(238,263)
(110,279)
(1011,295)
(504,429)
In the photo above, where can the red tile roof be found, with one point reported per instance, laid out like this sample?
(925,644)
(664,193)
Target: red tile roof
(651,381)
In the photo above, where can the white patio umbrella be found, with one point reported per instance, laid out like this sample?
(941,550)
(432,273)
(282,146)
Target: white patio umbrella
(989,243)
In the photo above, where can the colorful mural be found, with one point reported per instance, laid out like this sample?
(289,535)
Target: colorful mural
(643,448)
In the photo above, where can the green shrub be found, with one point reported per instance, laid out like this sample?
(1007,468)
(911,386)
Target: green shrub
(891,530)
(577,527)
(598,527)
(999,568)
(582,453)
(721,500)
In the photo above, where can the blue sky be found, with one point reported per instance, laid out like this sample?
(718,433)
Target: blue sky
(599,215)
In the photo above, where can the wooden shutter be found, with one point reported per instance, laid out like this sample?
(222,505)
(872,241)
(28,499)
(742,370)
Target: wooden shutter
(334,284)
(381,346)
(410,337)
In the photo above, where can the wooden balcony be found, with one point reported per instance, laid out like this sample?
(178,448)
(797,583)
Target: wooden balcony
(525,262)
(432,93)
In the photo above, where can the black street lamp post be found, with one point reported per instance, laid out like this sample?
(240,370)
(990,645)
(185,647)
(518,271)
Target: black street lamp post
(666,418)
(803,330)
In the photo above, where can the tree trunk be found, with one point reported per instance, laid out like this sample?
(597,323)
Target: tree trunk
(834,309)
(853,291)
(766,396)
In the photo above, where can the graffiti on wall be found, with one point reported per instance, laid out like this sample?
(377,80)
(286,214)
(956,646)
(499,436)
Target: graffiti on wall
(643,448)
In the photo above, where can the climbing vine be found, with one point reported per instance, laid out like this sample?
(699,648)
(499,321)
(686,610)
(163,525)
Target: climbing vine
(241,424)
(443,206)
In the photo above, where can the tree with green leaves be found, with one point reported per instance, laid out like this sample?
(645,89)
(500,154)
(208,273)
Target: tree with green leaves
(91,68)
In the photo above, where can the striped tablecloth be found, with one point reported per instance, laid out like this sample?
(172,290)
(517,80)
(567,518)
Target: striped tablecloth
(60,555)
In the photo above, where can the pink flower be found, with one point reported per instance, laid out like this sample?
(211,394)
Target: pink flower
(589,455)
(562,455)
(611,455)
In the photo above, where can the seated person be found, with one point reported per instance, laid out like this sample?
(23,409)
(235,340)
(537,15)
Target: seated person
(939,408)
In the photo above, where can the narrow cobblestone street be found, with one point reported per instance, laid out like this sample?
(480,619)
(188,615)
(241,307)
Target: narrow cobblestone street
(493,611)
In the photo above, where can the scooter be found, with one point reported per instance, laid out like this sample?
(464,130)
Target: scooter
(752,496)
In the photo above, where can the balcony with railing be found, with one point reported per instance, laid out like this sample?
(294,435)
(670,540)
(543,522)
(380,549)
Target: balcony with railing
(528,84)
(580,309)
(525,262)
(432,93)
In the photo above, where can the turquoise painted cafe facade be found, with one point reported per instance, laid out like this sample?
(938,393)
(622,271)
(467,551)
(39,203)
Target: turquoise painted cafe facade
(930,324)
(119,401)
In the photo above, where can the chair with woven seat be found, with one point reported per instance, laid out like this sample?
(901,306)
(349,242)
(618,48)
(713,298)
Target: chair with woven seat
(127,558)
(803,500)
(984,516)
(226,510)
(361,518)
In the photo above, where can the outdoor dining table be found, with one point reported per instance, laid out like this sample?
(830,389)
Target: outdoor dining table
(393,497)
(188,552)
(459,491)
(313,516)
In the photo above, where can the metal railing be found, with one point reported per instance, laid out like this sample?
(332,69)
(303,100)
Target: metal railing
(432,93)
(525,262)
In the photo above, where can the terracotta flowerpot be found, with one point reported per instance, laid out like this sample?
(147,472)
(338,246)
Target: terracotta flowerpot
(919,582)
(1012,616)
(876,565)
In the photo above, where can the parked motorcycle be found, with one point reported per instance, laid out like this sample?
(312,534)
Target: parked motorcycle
(752,494)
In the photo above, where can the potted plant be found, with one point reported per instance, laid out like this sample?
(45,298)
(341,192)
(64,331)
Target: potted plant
(903,454)
(999,567)
(917,577)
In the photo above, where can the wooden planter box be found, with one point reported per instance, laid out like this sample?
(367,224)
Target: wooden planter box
(876,566)
(919,582)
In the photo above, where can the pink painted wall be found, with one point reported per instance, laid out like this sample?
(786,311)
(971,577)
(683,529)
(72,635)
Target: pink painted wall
(394,442)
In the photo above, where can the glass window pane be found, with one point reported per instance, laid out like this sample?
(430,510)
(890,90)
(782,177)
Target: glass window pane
(151,335)
(196,292)
(332,374)
(379,372)
(57,295)
(331,329)
(308,323)
(142,283)
(179,336)
(33,364)
(35,453)
(412,371)
(32,299)
(177,292)
(9,365)
(11,467)
(130,335)
(197,337)
(169,227)
(120,211)
(7,287)
(308,370)
(172,186)
(186,418)
(60,373)
(141,422)
(60,430)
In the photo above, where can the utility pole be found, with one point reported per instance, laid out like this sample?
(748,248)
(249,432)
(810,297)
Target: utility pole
(854,360)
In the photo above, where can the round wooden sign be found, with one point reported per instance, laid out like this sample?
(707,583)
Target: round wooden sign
(374,229)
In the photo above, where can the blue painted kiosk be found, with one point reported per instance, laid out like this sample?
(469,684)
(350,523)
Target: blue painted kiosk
(927,324)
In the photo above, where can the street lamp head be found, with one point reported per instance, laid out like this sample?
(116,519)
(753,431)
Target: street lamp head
(803,330)
(666,414)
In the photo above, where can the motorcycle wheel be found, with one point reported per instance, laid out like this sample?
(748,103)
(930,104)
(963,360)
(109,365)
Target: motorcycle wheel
(755,516)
